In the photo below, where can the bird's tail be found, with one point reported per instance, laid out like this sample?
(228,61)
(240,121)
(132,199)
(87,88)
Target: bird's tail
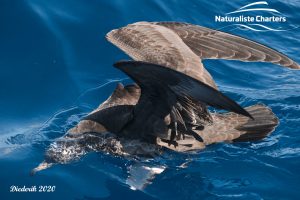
(265,121)
(237,128)
(230,127)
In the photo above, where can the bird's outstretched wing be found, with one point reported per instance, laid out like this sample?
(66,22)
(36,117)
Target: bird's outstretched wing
(162,88)
(144,41)
(213,44)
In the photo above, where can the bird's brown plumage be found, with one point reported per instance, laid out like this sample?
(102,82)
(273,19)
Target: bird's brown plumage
(182,47)
(179,47)
(213,44)
(144,41)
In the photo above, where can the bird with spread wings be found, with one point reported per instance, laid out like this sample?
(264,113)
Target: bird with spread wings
(168,104)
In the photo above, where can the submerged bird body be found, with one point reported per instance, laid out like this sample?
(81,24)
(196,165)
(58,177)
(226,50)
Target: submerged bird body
(168,105)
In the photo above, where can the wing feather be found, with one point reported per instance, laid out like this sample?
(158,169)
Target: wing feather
(144,41)
(213,44)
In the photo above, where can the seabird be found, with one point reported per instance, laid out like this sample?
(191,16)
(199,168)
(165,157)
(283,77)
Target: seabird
(167,105)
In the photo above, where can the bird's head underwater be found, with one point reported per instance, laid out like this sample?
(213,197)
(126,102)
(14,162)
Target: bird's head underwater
(85,137)
(88,136)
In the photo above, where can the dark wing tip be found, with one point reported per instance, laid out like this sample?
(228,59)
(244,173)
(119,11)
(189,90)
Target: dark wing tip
(234,106)
(244,112)
(229,104)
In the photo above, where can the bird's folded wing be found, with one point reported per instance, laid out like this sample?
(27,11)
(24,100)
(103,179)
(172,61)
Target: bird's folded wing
(121,115)
(213,44)
(144,41)
(117,107)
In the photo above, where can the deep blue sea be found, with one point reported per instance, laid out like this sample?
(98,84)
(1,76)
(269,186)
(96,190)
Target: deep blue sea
(56,66)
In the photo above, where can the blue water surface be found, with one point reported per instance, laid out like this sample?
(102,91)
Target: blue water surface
(56,66)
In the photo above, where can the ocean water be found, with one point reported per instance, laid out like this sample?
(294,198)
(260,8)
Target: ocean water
(56,66)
